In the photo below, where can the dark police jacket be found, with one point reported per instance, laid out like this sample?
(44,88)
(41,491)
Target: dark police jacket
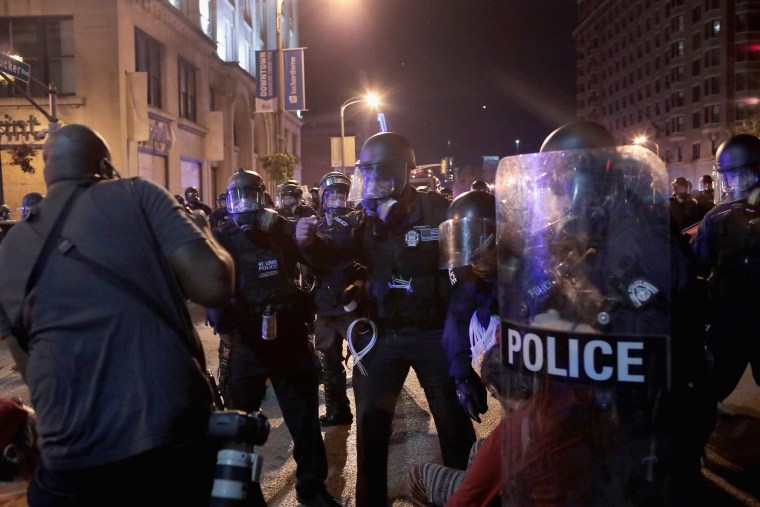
(264,276)
(406,289)
(333,278)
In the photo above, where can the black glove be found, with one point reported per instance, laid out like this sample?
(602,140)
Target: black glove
(471,394)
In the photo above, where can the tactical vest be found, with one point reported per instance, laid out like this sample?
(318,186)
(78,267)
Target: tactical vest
(264,277)
(407,288)
(328,291)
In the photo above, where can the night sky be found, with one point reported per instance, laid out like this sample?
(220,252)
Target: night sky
(437,63)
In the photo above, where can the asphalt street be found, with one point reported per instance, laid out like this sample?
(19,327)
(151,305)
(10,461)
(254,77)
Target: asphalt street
(733,470)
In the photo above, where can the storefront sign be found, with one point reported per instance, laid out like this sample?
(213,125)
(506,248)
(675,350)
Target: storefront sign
(159,136)
(19,130)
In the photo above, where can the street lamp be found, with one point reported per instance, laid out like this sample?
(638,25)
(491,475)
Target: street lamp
(371,99)
(641,140)
(517,146)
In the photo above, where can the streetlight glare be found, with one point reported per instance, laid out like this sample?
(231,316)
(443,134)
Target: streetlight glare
(373,100)
(640,140)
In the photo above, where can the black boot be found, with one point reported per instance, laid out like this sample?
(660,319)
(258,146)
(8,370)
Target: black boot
(337,408)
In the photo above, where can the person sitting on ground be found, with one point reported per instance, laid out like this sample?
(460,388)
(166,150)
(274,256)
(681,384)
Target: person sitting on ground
(498,459)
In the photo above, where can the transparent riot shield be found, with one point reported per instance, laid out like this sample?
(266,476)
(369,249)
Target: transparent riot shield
(584,293)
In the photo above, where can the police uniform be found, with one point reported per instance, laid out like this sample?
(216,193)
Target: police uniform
(333,320)
(265,265)
(408,297)
(727,245)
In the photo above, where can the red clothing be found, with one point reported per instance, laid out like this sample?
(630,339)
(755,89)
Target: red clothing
(540,455)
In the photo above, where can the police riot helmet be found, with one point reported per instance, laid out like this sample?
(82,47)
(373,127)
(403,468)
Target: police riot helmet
(333,193)
(76,152)
(383,167)
(245,196)
(468,235)
(578,135)
(447,193)
(681,185)
(590,181)
(479,185)
(705,183)
(737,166)
(221,199)
(291,187)
(5,212)
(29,202)
(192,195)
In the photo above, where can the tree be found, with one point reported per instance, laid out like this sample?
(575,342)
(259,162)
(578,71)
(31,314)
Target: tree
(22,155)
(280,166)
(749,126)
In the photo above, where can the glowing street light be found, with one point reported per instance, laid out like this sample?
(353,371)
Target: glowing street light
(372,100)
(517,146)
(642,140)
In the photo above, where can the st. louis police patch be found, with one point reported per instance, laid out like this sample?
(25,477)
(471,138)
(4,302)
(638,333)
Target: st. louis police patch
(641,292)
(412,238)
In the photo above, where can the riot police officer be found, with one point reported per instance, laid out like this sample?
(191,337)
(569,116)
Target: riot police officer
(397,240)
(292,206)
(266,327)
(587,258)
(193,200)
(219,216)
(29,203)
(468,251)
(447,193)
(705,195)
(480,185)
(728,247)
(334,315)
(5,212)
(684,210)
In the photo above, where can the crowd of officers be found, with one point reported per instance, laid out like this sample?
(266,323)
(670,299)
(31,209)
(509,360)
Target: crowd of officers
(360,270)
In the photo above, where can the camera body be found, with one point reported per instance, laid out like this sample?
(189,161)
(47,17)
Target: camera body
(239,427)
(238,467)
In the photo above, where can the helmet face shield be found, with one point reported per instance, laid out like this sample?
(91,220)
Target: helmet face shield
(735,184)
(335,202)
(376,181)
(465,241)
(244,199)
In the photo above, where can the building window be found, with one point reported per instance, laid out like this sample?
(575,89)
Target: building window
(748,22)
(696,14)
(695,151)
(712,57)
(678,99)
(47,44)
(679,154)
(712,114)
(175,3)
(695,93)
(204,8)
(696,120)
(148,59)
(695,67)
(712,86)
(712,29)
(187,103)
(712,4)
(244,55)
(696,40)
(679,124)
